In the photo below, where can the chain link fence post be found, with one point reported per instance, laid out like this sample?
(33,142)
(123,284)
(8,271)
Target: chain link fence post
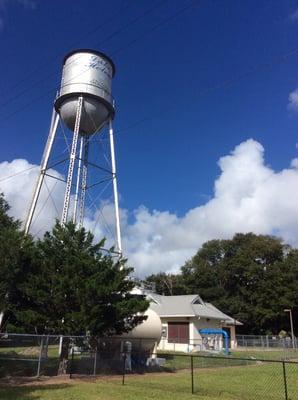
(285,380)
(71,362)
(39,357)
(123,368)
(192,382)
(95,362)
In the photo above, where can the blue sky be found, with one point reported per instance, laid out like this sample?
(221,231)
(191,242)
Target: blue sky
(168,162)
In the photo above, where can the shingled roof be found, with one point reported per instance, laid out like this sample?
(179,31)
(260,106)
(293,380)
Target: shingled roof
(187,306)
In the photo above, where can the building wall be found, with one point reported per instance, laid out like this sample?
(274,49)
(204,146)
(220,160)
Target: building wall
(195,339)
(233,340)
(205,323)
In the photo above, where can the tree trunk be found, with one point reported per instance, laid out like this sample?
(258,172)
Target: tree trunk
(63,364)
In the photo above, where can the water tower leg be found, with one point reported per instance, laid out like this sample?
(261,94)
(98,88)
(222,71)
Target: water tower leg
(115,190)
(43,169)
(84,182)
(76,200)
(72,160)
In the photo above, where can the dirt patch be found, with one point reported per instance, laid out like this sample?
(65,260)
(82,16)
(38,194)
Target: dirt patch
(31,351)
(54,380)
(65,379)
(25,381)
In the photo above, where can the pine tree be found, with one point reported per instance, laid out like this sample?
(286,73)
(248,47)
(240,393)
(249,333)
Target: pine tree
(71,288)
(13,246)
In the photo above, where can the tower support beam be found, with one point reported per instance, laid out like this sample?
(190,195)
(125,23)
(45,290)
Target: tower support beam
(72,160)
(76,200)
(43,169)
(84,182)
(115,188)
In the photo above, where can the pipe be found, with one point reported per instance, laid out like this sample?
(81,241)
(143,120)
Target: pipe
(213,331)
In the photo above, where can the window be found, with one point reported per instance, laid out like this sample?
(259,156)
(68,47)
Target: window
(178,332)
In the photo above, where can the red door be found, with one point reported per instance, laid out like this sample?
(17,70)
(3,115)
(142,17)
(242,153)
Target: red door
(178,332)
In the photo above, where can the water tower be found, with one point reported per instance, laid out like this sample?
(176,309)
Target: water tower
(85,106)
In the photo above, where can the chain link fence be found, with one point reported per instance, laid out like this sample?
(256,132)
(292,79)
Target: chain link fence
(282,348)
(275,346)
(34,355)
(267,341)
(127,360)
(220,377)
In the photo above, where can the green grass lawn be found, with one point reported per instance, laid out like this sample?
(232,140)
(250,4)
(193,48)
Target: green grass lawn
(278,354)
(225,378)
(264,381)
(182,361)
(28,351)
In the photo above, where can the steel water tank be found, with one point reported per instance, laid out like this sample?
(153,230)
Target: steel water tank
(86,73)
(145,335)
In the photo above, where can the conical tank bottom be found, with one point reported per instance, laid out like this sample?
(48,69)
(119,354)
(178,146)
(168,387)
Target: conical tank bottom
(94,114)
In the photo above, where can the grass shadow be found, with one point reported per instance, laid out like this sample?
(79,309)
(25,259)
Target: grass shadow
(33,392)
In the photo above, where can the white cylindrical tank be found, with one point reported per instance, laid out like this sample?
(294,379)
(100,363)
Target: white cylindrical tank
(145,335)
(149,329)
(86,73)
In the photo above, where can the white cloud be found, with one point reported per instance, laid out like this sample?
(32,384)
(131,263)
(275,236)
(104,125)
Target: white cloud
(294,163)
(249,196)
(293,100)
(18,192)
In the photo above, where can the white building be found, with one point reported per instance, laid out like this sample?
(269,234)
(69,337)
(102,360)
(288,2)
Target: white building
(184,316)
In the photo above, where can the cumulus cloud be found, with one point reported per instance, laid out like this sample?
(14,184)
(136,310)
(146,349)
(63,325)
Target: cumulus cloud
(18,192)
(249,196)
(294,163)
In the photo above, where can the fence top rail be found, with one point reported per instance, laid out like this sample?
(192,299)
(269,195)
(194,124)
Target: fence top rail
(45,335)
(270,337)
(5,335)
(226,358)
